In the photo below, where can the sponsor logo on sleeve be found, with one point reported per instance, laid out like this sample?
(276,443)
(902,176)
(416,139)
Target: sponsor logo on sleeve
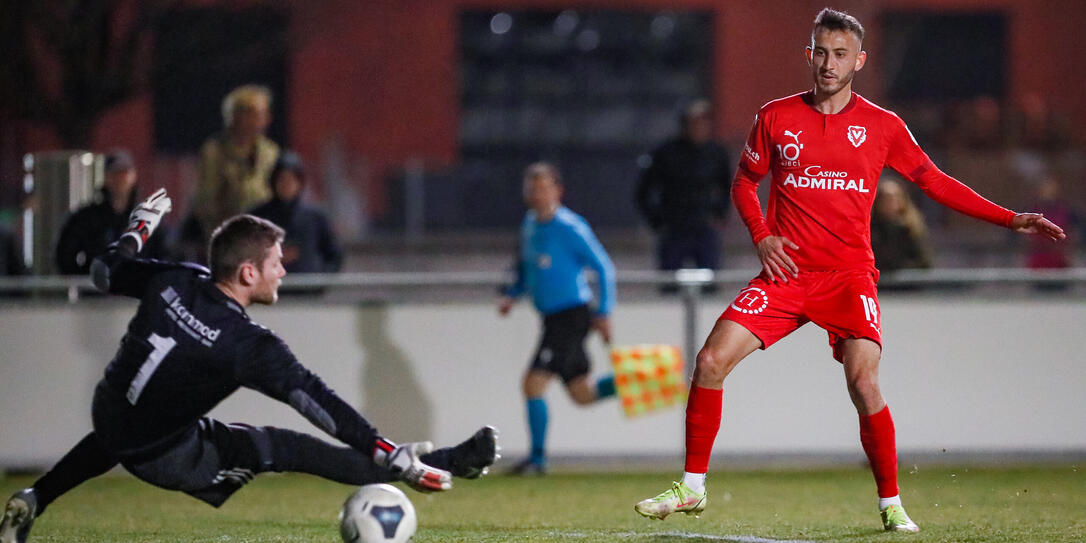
(754,156)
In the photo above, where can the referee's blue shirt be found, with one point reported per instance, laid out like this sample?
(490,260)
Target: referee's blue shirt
(553,257)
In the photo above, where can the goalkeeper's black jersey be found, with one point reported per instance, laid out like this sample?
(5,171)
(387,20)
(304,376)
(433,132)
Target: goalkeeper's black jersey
(188,348)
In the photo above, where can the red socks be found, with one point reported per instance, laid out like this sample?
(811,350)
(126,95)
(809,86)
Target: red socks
(702,424)
(880,444)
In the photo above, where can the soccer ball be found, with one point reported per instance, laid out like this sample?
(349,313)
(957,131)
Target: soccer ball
(377,513)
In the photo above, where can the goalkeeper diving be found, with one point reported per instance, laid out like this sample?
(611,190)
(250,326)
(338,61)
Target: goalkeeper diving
(190,345)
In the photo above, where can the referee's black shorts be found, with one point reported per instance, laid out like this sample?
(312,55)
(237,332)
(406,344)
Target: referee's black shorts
(561,350)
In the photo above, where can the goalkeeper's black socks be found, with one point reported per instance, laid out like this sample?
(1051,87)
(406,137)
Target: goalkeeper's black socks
(85,461)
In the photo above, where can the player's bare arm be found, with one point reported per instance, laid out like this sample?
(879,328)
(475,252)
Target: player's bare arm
(775,261)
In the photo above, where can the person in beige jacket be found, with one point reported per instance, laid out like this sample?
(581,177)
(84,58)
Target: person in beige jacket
(235,163)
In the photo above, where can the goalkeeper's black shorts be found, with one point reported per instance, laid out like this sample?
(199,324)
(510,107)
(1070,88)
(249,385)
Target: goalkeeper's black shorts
(209,462)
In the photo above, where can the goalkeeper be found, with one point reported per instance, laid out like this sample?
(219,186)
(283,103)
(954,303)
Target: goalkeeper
(191,345)
(556,245)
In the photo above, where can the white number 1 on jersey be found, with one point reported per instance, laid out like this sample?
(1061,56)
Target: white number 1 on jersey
(163,346)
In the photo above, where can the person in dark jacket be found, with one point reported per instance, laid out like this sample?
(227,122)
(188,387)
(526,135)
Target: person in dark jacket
(684,193)
(11,261)
(89,230)
(310,245)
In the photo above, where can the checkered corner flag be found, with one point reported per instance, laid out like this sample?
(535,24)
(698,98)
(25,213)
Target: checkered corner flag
(648,377)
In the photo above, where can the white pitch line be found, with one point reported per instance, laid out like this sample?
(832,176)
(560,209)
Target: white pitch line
(685,535)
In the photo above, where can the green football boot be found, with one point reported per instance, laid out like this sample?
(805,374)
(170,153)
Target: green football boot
(894,519)
(678,499)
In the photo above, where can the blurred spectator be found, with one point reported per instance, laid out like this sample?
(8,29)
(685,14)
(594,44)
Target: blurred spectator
(92,227)
(310,245)
(1044,253)
(1037,128)
(898,232)
(684,193)
(986,129)
(234,163)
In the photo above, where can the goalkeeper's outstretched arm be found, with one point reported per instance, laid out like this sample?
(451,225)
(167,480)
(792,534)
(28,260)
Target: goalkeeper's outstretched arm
(266,364)
(118,271)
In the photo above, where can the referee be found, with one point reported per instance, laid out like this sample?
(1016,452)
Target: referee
(556,245)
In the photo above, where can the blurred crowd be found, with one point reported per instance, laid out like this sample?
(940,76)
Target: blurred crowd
(1021,153)
(985,123)
(240,170)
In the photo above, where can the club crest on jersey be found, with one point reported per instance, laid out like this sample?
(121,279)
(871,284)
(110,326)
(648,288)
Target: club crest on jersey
(857,135)
(751,301)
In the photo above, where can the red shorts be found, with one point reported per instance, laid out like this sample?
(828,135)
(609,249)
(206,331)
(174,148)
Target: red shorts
(844,303)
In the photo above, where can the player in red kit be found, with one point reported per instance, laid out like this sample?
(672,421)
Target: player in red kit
(824,150)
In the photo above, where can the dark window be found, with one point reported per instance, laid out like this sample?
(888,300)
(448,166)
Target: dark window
(202,54)
(935,56)
(588,90)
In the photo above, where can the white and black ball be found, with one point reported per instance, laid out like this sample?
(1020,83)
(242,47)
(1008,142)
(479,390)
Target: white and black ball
(377,513)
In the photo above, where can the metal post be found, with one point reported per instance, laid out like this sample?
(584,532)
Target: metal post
(690,325)
(414,199)
(690,283)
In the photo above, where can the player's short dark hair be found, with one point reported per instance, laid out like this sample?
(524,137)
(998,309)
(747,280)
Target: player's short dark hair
(241,239)
(543,169)
(832,19)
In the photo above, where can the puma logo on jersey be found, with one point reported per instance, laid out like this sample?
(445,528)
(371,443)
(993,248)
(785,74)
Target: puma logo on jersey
(789,152)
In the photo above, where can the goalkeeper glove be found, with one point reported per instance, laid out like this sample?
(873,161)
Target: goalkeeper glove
(403,461)
(146,216)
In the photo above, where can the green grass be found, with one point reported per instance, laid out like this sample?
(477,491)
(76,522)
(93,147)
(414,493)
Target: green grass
(950,504)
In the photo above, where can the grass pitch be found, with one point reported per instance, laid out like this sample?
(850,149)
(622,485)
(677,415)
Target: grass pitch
(950,504)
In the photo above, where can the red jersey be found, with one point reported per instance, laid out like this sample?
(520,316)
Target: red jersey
(824,170)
